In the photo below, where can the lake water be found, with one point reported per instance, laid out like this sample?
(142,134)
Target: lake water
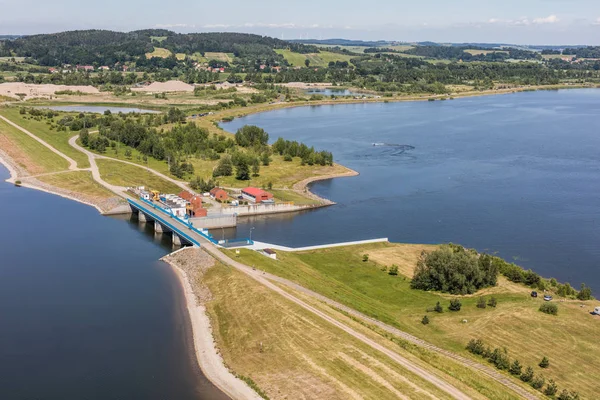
(336,92)
(101,109)
(86,310)
(517,175)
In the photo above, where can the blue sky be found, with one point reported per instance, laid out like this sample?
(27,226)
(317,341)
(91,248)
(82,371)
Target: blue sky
(508,21)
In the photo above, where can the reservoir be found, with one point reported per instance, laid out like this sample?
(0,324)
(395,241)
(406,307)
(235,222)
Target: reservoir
(336,92)
(101,109)
(87,311)
(516,175)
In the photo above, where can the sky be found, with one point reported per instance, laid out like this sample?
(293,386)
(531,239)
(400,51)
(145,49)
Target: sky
(556,22)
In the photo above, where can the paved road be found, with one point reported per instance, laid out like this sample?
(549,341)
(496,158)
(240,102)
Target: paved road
(72,163)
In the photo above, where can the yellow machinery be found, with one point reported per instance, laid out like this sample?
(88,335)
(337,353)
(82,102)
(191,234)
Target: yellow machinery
(155,195)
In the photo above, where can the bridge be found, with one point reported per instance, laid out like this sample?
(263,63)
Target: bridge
(182,230)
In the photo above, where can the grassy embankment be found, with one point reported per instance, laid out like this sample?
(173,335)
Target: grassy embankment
(121,174)
(79,182)
(290,353)
(569,339)
(59,140)
(31,155)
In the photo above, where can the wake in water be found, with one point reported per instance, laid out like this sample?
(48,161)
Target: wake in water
(397,148)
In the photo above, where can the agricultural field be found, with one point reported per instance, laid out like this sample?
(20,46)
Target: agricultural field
(159,52)
(225,57)
(321,59)
(515,323)
(476,52)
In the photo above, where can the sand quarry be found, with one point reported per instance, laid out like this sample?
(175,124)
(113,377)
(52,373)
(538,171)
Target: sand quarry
(31,91)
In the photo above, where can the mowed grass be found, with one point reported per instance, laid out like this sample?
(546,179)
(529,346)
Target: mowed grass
(58,140)
(226,57)
(288,196)
(476,52)
(34,157)
(80,182)
(121,174)
(320,59)
(569,339)
(290,353)
(159,52)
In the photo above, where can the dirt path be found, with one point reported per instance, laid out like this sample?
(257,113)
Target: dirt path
(72,163)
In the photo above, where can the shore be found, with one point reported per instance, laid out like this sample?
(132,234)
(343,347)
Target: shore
(209,360)
(303,189)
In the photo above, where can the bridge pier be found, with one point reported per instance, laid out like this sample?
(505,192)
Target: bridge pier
(176,240)
(142,217)
(158,227)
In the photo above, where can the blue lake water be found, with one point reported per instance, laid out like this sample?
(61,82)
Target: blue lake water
(517,175)
(86,309)
(336,92)
(101,109)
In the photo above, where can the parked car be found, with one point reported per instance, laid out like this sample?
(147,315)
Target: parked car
(547,297)
(534,294)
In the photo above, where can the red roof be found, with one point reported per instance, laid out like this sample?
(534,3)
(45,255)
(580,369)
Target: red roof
(255,192)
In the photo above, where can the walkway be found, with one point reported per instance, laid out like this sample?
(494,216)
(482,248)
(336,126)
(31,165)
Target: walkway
(262,245)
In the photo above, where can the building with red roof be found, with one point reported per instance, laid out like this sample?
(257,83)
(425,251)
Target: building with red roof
(256,195)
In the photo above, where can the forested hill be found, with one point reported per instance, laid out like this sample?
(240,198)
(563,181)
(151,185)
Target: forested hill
(108,47)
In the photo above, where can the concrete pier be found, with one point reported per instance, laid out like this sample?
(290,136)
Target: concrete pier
(158,227)
(142,217)
(176,240)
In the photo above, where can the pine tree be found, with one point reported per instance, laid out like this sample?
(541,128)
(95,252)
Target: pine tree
(527,376)
(425,320)
(545,363)
(551,389)
(481,302)
(515,368)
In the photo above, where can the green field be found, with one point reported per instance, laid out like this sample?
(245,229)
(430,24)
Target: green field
(226,57)
(477,52)
(321,59)
(516,323)
(40,128)
(291,353)
(29,153)
(79,182)
(121,174)
(159,52)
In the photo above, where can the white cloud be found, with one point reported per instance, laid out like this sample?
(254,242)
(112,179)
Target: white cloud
(597,21)
(550,19)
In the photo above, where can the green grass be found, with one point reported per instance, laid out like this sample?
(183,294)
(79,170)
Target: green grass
(29,153)
(159,39)
(477,52)
(226,57)
(159,52)
(120,174)
(58,140)
(292,196)
(80,182)
(320,59)
(516,323)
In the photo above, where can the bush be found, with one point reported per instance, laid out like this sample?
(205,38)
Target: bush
(549,308)
(567,395)
(551,389)
(527,376)
(538,382)
(500,359)
(545,363)
(425,320)
(476,347)
(438,308)
(515,368)
(585,293)
(455,305)
(481,302)
(393,270)
(454,269)
(492,302)
(18,183)
(365,257)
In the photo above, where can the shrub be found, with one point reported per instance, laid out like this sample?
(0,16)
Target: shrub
(492,302)
(425,320)
(515,368)
(549,308)
(567,395)
(538,382)
(454,269)
(393,270)
(551,389)
(455,305)
(585,293)
(545,363)
(476,346)
(500,359)
(18,183)
(527,376)
(365,257)
(438,308)
(481,302)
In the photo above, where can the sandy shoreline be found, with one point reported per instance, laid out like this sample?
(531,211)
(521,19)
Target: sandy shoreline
(209,360)
(302,186)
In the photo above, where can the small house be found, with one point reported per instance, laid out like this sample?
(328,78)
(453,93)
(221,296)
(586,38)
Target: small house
(186,195)
(270,253)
